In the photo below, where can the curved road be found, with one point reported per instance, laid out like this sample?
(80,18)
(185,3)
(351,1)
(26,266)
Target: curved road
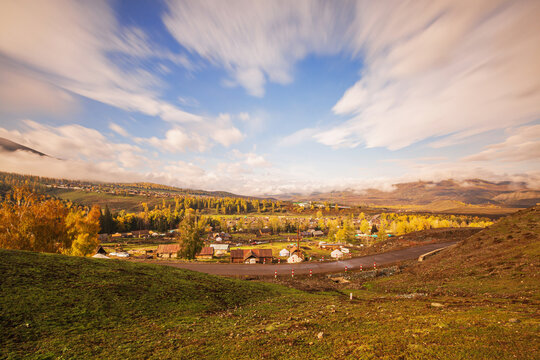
(303,268)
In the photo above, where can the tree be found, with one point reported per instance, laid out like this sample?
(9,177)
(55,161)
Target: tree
(83,231)
(107,221)
(189,237)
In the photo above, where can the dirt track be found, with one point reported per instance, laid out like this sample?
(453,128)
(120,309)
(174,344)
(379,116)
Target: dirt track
(303,268)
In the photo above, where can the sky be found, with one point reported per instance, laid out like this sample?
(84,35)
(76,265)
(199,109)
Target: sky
(272,97)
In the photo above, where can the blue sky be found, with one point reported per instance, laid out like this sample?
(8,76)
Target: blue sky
(272,97)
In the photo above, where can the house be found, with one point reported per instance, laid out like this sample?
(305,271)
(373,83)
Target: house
(207,252)
(100,250)
(328,246)
(318,233)
(265,231)
(284,253)
(336,254)
(293,259)
(251,256)
(116,236)
(296,251)
(220,249)
(345,250)
(168,250)
(100,256)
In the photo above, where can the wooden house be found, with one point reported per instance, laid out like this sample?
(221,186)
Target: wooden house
(207,252)
(251,256)
(168,250)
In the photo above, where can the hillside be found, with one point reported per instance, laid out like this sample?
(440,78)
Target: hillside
(434,195)
(477,300)
(11,146)
(55,301)
(502,260)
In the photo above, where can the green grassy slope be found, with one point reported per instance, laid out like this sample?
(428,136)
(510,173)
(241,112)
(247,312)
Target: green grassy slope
(55,300)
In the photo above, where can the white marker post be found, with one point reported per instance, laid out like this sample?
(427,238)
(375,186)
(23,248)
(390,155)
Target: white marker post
(345,269)
(292,273)
(374,266)
(275,274)
(310,273)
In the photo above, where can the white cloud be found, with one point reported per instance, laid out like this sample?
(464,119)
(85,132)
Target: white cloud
(447,69)
(118,129)
(251,159)
(22,94)
(522,145)
(257,41)
(74,142)
(453,68)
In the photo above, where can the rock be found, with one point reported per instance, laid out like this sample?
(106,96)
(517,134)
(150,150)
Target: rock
(320,335)
(514,320)
(436,304)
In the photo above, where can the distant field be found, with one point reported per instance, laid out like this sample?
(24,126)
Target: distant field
(115,202)
(457,207)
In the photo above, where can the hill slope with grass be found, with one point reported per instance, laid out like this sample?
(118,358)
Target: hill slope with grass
(478,300)
(56,301)
(502,260)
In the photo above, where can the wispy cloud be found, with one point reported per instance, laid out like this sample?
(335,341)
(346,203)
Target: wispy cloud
(522,145)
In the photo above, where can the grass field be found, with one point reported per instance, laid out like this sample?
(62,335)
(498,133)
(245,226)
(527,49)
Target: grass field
(114,202)
(54,306)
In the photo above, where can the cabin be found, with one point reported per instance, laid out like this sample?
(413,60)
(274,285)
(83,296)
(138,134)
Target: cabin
(318,233)
(220,249)
(265,231)
(251,256)
(168,250)
(206,252)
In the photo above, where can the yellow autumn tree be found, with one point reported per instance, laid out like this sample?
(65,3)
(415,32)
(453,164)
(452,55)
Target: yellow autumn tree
(83,229)
(28,221)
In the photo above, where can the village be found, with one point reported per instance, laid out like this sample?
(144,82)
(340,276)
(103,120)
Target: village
(263,247)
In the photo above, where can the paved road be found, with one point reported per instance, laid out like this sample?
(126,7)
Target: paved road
(303,268)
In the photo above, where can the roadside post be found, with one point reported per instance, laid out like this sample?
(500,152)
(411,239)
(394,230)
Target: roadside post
(374,266)
(292,273)
(310,273)
(345,269)
(275,274)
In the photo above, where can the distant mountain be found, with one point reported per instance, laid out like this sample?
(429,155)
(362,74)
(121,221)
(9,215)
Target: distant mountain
(11,146)
(472,191)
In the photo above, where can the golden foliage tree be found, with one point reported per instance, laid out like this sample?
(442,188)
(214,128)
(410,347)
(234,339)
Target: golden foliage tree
(29,221)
